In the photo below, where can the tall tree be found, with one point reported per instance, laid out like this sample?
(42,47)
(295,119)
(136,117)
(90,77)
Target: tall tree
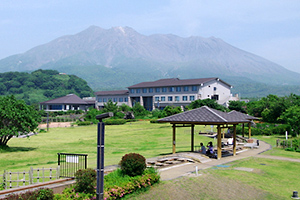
(292,117)
(16,118)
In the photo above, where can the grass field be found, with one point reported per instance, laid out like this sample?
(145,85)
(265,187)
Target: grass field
(141,137)
(270,179)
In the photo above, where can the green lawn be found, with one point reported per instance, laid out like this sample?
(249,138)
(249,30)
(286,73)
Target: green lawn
(269,179)
(141,137)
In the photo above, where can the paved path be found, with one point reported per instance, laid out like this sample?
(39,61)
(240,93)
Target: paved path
(177,171)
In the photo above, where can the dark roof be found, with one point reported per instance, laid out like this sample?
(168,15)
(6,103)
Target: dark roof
(68,99)
(115,92)
(241,115)
(175,82)
(206,116)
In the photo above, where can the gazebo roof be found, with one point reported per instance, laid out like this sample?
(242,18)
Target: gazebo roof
(207,116)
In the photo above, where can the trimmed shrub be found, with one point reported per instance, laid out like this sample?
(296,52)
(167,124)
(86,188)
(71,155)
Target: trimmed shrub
(84,123)
(133,164)
(85,180)
(114,121)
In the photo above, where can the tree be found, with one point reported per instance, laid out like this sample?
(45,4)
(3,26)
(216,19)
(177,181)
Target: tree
(237,106)
(139,110)
(292,117)
(206,102)
(16,118)
(172,110)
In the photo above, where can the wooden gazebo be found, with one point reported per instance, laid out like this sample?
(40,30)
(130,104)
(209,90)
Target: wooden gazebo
(208,116)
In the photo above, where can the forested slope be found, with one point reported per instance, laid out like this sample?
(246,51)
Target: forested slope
(42,85)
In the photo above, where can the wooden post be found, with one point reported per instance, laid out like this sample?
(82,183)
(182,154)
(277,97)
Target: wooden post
(174,138)
(192,137)
(243,130)
(249,125)
(234,140)
(219,144)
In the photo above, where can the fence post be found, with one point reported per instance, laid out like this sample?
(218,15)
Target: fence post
(24,178)
(31,175)
(4,180)
(57,172)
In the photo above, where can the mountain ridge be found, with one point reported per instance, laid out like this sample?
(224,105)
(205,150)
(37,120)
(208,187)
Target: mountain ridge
(144,58)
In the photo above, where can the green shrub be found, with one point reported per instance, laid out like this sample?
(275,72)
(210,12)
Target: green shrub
(84,123)
(133,164)
(114,121)
(70,194)
(116,185)
(85,180)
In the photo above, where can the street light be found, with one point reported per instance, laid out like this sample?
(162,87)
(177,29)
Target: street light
(100,154)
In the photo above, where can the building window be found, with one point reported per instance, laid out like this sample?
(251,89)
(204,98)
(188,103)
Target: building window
(170,98)
(125,99)
(171,89)
(192,98)
(163,98)
(215,88)
(120,99)
(115,99)
(150,90)
(104,100)
(144,90)
(156,98)
(100,100)
(157,89)
(131,90)
(194,88)
(55,107)
(176,98)
(178,89)
(138,90)
(109,99)
(186,88)
(184,98)
(164,89)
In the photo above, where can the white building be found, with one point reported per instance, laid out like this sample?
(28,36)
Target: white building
(172,91)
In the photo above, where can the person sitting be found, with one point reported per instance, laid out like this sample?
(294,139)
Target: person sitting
(202,148)
(210,152)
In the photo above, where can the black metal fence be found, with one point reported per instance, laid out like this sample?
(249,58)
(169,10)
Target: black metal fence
(70,163)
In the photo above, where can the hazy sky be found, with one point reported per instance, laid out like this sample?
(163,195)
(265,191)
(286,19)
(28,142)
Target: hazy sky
(268,28)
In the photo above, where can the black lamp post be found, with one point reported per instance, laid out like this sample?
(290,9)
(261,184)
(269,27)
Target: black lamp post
(100,154)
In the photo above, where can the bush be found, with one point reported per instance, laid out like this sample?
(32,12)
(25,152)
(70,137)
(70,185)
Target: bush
(40,194)
(116,185)
(133,164)
(85,180)
(154,121)
(84,123)
(114,121)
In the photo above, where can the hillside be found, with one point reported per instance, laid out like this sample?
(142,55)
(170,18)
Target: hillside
(42,85)
(119,57)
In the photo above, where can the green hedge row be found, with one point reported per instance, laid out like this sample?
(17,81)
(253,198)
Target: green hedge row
(266,129)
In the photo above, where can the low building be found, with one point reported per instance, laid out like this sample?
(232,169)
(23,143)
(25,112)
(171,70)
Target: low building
(118,96)
(68,102)
(172,91)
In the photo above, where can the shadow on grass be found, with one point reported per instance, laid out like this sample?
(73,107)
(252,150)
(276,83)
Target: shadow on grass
(15,149)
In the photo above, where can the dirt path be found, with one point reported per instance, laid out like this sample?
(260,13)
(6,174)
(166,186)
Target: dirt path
(278,158)
(55,125)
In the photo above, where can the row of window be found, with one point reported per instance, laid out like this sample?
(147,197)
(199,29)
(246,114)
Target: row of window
(164,89)
(176,98)
(120,99)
